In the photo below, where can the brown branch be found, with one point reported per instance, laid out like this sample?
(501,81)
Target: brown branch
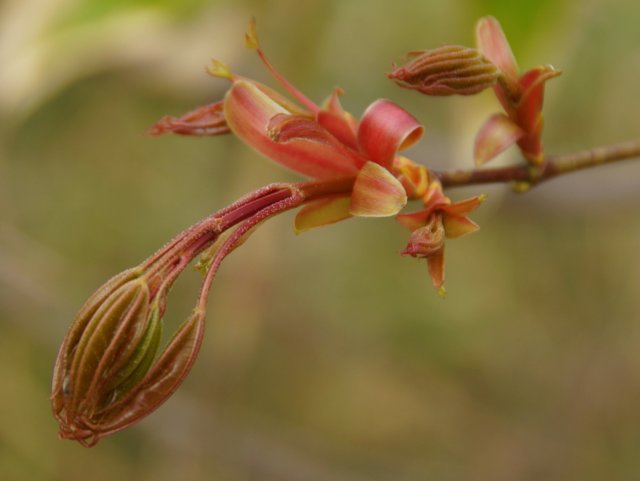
(526,175)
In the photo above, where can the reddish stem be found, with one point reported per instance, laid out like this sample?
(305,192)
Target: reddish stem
(168,262)
(554,166)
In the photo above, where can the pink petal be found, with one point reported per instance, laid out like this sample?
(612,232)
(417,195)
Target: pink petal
(377,193)
(322,212)
(248,110)
(495,136)
(386,128)
(493,43)
(457,226)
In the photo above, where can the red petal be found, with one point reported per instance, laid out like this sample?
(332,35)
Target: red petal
(496,135)
(493,43)
(386,128)
(377,193)
(249,109)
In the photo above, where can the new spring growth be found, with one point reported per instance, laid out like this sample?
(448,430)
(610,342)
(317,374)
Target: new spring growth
(448,70)
(105,378)
(521,96)
(107,374)
(457,70)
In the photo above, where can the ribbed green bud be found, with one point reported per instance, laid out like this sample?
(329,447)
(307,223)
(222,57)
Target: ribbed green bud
(448,70)
(109,347)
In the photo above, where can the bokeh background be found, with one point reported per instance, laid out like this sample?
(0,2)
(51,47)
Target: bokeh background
(327,356)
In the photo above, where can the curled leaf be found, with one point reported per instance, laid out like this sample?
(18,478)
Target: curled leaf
(385,129)
(296,142)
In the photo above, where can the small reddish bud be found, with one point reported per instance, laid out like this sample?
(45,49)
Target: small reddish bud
(428,239)
(204,121)
(448,70)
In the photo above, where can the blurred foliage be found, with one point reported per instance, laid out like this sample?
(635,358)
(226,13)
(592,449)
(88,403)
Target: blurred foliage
(327,355)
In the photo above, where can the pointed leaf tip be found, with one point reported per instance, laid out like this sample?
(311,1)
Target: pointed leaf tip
(251,36)
(377,193)
(458,226)
(219,69)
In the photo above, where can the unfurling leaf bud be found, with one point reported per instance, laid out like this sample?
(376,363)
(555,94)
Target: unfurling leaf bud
(105,377)
(207,120)
(102,351)
(428,240)
(448,70)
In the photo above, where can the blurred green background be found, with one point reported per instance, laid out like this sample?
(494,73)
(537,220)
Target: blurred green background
(327,356)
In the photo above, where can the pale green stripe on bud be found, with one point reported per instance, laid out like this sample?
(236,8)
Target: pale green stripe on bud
(448,70)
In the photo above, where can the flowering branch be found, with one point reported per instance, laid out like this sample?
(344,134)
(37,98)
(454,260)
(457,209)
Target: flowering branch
(526,175)
(110,372)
